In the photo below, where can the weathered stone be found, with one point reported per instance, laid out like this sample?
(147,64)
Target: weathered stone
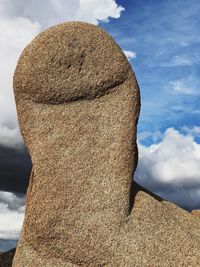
(196,213)
(78,104)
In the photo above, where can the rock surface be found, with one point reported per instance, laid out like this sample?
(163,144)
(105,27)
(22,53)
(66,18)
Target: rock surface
(78,105)
(196,213)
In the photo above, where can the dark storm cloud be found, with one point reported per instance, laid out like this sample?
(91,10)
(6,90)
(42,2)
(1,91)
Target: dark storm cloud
(15,167)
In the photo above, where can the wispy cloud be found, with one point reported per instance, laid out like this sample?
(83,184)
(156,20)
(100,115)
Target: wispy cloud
(130,54)
(15,34)
(94,10)
(189,85)
(181,87)
(179,61)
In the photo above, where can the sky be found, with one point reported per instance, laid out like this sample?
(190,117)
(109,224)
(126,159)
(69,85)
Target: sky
(161,39)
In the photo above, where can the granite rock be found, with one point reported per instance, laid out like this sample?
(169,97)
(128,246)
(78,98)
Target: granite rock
(196,213)
(78,105)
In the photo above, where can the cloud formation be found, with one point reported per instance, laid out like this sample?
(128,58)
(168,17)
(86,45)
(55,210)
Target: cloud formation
(180,60)
(187,86)
(15,34)
(171,167)
(48,13)
(130,54)
(94,10)
(10,137)
(11,215)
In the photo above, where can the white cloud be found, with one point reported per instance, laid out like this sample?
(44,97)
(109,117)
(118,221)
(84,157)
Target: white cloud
(12,201)
(179,61)
(15,34)
(130,54)
(172,166)
(20,22)
(181,87)
(188,85)
(11,215)
(48,13)
(95,10)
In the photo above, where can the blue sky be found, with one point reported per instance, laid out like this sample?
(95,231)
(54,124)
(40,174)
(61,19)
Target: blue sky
(165,36)
(162,41)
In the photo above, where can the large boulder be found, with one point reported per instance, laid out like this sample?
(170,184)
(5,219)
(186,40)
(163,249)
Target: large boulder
(78,105)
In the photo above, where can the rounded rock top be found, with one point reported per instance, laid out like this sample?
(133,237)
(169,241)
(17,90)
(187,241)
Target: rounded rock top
(68,62)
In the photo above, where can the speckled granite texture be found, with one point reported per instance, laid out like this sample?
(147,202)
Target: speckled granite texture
(78,105)
(196,213)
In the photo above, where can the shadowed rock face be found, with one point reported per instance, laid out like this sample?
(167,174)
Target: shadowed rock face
(78,105)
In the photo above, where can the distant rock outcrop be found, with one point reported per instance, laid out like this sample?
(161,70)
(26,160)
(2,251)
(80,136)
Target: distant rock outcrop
(6,258)
(78,104)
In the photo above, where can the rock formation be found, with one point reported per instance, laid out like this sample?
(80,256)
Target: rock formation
(196,213)
(6,258)
(78,105)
